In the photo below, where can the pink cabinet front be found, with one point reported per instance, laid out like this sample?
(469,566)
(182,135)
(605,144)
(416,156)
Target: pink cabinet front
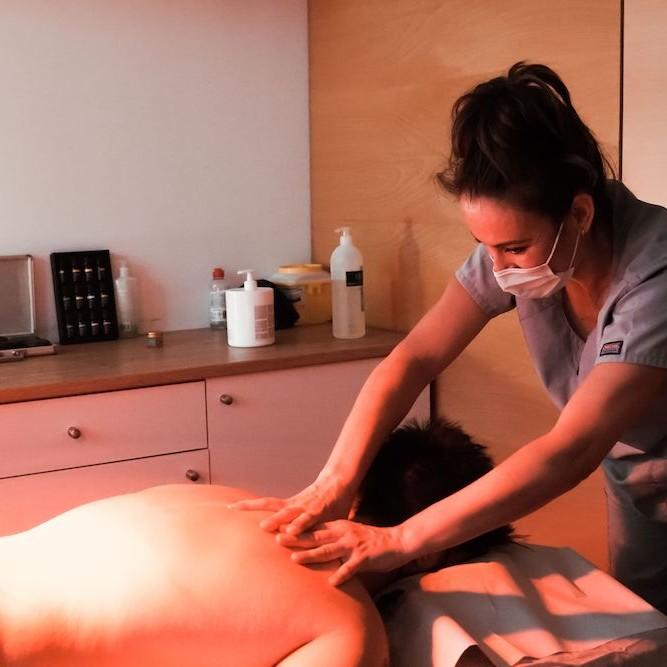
(271,432)
(58,433)
(31,499)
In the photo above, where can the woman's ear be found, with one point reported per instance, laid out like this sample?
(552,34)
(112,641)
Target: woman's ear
(583,211)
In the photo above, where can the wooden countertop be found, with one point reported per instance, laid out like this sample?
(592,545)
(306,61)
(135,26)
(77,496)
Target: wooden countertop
(185,356)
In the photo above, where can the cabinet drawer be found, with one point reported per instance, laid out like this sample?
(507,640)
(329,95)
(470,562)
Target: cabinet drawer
(113,426)
(31,499)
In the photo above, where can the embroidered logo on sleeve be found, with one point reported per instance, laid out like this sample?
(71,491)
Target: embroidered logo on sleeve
(613,347)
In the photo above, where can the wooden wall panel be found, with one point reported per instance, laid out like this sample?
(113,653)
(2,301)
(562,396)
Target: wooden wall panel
(645,99)
(384,75)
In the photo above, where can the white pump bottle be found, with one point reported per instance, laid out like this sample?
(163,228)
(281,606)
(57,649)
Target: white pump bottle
(250,320)
(347,288)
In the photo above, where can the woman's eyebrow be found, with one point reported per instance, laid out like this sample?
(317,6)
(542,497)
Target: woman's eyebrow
(506,243)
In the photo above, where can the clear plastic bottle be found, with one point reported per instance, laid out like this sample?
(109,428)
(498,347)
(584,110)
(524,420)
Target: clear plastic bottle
(217,307)
(347,285)
(126,299)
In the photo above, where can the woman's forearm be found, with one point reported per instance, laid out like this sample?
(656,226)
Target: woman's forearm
(385,398)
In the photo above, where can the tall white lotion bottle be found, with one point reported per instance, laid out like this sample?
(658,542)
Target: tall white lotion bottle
(347,288)
(250,319)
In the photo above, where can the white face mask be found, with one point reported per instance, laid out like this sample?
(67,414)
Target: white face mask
(536,282)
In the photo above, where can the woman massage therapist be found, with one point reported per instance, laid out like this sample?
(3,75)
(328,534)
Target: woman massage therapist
(585,265)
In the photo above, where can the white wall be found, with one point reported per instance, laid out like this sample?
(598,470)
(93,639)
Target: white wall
(645,99)
(173,132)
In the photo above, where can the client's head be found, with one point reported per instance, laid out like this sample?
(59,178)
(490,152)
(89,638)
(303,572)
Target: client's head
(418,465)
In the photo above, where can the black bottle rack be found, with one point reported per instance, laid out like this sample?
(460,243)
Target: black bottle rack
(85,302)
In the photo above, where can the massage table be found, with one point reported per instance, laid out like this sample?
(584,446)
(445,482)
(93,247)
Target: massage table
(521,605)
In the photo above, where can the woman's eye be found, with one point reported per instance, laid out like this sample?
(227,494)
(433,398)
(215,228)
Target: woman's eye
(515,251)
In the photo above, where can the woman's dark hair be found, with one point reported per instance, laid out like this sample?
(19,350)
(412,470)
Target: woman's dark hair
(518,139)
(418,465)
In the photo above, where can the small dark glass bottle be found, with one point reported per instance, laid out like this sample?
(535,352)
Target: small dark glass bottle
(106,322)
(69,327)
(104,296)
(101,270)
(91,296)
(94,323)
(67,301)
(76,271)
(87,270)
(83,325)
(78,297)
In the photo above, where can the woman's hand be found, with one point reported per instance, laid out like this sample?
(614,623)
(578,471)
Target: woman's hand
(325,499)
(359,546)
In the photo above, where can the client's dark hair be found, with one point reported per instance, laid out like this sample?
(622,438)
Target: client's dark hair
(517,138)
(418,465)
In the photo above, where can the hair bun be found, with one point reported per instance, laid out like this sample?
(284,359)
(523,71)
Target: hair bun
(517,138)
(541,76)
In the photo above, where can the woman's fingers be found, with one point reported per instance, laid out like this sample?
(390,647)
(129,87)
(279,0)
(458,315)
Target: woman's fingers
(284,517)
(301,523)
(289,518)
(325,499)
(323,554)
(345,572)
(305,540)
(269,504)
(327,552)
(273,523)
(359,546)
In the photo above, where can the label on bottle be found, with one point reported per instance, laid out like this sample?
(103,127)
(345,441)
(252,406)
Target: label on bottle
(264,325)
(217,314)
(354,278)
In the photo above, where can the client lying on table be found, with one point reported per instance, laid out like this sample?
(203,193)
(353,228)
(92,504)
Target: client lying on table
(171,576)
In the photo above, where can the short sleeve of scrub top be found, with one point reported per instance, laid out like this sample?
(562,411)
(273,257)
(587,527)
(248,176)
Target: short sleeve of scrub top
(634,330)
(476,276)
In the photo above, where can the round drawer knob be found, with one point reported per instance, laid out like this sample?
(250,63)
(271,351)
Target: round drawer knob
(192,475)
(74,432)
(226,399)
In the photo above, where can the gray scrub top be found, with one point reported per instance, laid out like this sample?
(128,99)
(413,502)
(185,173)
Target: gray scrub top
(631,327)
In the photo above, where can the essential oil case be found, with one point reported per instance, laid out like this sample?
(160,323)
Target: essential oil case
(85,303)
(18,337)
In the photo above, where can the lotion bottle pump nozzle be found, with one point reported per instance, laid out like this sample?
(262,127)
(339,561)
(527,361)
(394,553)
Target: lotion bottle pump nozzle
(250,283)
(345,236)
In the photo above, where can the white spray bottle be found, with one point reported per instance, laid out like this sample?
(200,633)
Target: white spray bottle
(250,320)
(347,288)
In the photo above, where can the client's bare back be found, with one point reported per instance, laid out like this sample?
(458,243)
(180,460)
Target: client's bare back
(170,576)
